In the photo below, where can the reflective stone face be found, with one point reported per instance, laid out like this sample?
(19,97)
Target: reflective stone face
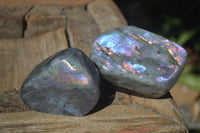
(138,60)
(66,83)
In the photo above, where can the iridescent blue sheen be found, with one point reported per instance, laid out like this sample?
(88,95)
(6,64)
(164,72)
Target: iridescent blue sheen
(66,83)
(138,60)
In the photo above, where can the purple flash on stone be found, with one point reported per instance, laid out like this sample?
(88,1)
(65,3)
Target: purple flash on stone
(138,60)
(66,83)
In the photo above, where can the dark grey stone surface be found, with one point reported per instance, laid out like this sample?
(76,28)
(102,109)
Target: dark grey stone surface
(138,60)
(66,83)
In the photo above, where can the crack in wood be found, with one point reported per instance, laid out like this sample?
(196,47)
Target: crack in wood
(171,118)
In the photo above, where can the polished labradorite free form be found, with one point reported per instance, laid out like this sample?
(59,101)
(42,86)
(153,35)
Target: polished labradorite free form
(138,60)
(66,83)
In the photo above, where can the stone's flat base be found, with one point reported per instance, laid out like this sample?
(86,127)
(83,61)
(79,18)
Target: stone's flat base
(138,60)
(66,83)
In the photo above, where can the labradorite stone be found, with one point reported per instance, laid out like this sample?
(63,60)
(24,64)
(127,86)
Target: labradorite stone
(66,83)
(138,60)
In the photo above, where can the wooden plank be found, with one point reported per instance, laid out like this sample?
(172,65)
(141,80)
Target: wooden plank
(161,107)
(165,106)
(157,106)
(127,113)
(113,119)
(12,21)
(43,2)
(10,101)
(81,28)
(42,19)
(18,57)
(106,14)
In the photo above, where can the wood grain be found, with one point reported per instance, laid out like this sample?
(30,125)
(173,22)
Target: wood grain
(165,107)
(180,94)
(42,19)
(113,119)
(106,14)
(81,28)
(12,21)
(43,2)
(10,101)
(115,112)
(18,57)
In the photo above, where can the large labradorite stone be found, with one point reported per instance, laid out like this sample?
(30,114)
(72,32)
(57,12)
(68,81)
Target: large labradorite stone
(66,83)
(138,60)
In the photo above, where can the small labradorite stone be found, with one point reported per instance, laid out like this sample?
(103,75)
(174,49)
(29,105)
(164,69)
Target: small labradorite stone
(138,60)
(66,83)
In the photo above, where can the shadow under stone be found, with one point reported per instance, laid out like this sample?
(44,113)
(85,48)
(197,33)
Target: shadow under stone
(133,93)
(107,95)
(166,96)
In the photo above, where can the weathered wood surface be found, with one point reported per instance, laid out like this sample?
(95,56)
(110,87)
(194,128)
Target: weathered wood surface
(165,108)
(43,2)
(19,56)
(10,101)
(12,21)
(42,19)
(106,14)
(115,112)
(112,119)
(81,28)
